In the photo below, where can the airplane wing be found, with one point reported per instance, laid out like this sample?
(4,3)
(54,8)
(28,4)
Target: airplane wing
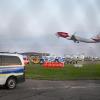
(73,37)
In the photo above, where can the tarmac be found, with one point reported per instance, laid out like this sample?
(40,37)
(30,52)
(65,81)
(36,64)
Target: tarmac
(53,90)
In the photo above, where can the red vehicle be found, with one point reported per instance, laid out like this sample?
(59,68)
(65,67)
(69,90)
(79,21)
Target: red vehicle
(26,60)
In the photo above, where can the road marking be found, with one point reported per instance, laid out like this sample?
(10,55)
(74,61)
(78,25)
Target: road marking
(65,87)
(43,88)
(78,87)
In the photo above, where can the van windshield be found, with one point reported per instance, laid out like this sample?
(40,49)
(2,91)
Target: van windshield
(9,60)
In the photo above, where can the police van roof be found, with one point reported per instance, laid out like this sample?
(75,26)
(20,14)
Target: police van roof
(12,54)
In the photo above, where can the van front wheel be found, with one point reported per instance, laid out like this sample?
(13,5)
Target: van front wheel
(11,83)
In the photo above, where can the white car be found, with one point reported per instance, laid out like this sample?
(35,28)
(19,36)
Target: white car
(11,69)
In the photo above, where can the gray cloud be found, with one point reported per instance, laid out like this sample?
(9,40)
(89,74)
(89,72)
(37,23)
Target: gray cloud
(30,25)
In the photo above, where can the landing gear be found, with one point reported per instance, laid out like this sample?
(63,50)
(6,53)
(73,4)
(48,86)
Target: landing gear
(77,41)
(74,39)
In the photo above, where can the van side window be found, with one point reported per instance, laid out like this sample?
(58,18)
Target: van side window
(9,60)
(0,61)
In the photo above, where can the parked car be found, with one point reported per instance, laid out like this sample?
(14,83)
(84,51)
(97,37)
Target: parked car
(11,70)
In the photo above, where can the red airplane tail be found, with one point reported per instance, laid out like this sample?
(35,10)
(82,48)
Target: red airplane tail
(62,34)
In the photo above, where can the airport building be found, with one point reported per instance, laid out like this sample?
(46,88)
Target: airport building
(67,59)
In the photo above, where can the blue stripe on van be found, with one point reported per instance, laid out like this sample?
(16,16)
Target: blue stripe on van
(13,70)
(11,67)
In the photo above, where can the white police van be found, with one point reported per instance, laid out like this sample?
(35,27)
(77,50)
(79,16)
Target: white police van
(11,69)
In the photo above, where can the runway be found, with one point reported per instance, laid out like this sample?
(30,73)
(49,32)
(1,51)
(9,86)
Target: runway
(53,90)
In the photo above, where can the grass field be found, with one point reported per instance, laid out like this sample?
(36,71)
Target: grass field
(69,72)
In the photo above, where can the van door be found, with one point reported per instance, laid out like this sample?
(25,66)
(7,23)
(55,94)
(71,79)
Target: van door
(2,77)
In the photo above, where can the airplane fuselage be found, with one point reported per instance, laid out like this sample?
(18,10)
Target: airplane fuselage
(81,39)
(78,39)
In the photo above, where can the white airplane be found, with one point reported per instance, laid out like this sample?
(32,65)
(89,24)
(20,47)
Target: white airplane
(77,39)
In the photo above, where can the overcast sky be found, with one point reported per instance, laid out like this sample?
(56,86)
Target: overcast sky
(30,25)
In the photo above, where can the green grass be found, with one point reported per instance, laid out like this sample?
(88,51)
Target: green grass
(69,72)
